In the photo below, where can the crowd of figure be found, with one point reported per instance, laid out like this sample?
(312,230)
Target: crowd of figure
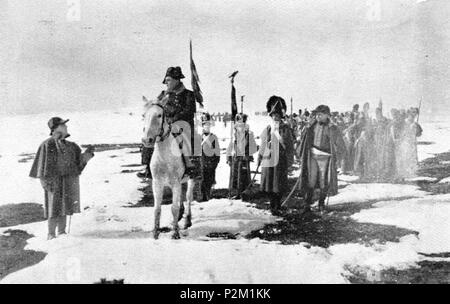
(379,149)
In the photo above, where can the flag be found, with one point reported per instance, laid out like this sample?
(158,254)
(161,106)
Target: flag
(195,80)
(234,109)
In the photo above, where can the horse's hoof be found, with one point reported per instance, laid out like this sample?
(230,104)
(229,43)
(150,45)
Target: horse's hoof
(155,234)
(176,236)
(186,225)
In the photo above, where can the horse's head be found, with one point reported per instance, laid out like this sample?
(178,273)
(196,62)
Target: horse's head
(154,123)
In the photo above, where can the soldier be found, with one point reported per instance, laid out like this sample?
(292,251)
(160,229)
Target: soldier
(210,157)
(320,148)
(276,154)
(239,155)
(179,110)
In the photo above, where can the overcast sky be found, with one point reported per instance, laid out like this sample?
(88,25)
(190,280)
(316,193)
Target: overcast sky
(334,52)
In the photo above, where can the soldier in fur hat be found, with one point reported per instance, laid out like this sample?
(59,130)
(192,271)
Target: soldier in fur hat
(276,153)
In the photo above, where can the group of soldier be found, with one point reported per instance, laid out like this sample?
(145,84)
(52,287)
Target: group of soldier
(379,149)
(322,141)
(318,145)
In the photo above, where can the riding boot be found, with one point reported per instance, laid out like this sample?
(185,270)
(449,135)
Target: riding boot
(146,156)
(323,196)
(275,203)
(308,199)
(193,166)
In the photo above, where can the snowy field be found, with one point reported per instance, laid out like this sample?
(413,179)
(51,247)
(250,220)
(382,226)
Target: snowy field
(110,241)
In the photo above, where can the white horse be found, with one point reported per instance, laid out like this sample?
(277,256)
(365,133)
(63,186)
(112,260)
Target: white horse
(167,167)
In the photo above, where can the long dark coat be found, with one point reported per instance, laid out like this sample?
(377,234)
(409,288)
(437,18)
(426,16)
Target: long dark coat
(210,158)
(179,105)
(304,154)
(274,177)
(59,164)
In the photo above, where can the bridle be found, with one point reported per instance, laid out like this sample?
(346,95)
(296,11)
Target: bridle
(162,135)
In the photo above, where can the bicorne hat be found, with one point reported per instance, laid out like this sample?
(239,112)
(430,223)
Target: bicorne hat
(174,72)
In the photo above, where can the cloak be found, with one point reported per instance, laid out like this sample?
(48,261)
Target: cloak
(58,164)
(274,177)
(338,150)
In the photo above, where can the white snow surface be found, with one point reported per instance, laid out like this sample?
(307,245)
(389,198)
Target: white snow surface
(108,240)
(445,180)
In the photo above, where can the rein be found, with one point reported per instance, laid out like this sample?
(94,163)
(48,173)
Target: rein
(162,136)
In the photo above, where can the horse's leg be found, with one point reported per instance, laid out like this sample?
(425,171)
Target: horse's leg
(176,201)
(187,206)
(158,191)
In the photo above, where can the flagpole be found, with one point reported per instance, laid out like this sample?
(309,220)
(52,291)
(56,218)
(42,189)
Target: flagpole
(233,113)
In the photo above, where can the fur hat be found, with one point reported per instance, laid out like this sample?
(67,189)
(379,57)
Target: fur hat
(276,104)
(323,109)
(205,117)
(241,116)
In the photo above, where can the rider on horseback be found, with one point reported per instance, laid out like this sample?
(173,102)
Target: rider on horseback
(179,109)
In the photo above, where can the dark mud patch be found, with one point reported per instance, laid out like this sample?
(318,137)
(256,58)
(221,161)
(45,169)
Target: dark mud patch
(222,235)
(435,188)
(13,256)
(425,143)
(110,147)
(23,213)
(148,201)
(26,154)
(26,159)
(113,281)
(147,198)
(129,171)
(436,255)
(434,166)
(426,272)
(331,228)
(437,167)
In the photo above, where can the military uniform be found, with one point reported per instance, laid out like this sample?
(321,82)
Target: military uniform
(179,110)
(210,158)
(276,154)
(239,155)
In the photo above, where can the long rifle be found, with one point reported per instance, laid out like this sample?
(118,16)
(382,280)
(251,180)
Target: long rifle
(291,107)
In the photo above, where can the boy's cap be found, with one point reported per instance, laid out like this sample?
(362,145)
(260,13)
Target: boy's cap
(54,122)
